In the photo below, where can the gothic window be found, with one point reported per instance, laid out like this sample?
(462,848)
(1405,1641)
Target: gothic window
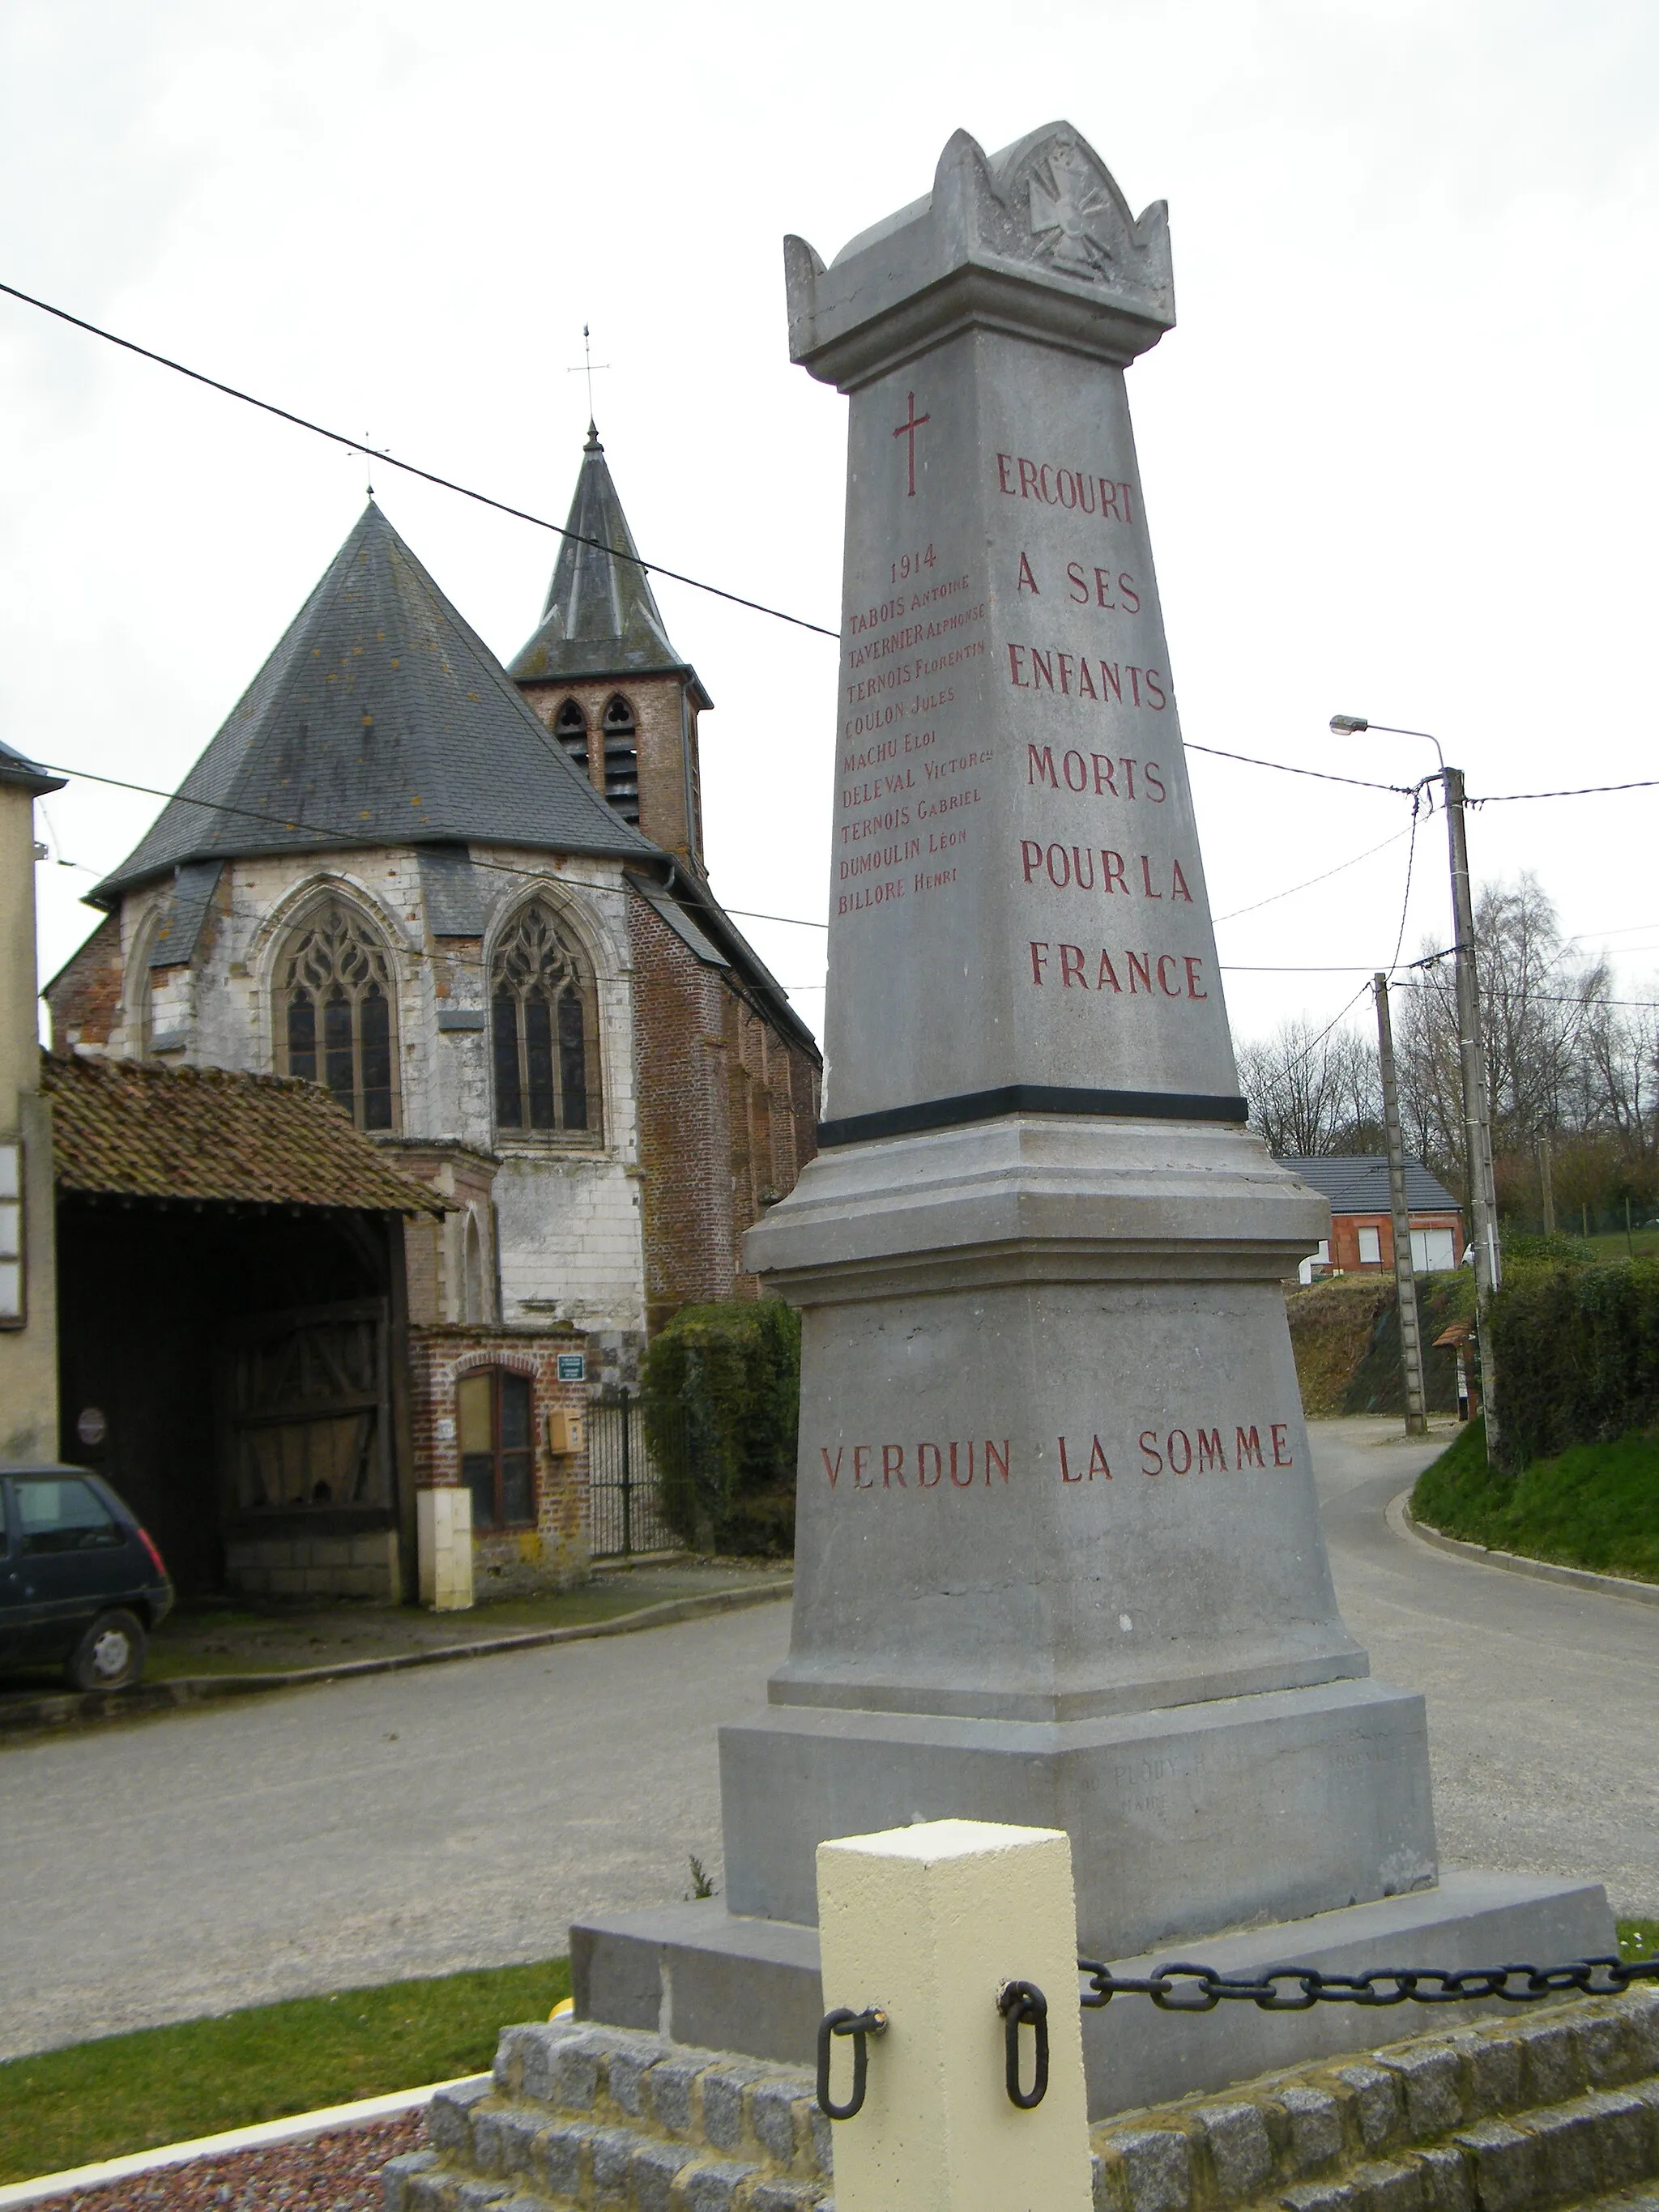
(621,759)
(544,1028)
(570,728)
(334,1012)
(496,1434)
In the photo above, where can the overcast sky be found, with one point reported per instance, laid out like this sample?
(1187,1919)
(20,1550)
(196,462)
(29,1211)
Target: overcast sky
(1398,453)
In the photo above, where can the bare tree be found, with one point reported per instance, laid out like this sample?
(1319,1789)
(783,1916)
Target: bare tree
(1313,1090)
(1562,1064)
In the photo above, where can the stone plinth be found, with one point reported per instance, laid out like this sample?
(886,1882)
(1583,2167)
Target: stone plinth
(699,1974)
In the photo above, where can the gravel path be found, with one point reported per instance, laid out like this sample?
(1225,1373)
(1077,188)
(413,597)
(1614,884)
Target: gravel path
(337,2173)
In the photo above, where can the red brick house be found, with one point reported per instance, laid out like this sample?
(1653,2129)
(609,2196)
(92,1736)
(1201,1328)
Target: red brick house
(1362,1223)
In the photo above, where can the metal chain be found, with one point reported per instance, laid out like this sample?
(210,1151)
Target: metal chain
(1020,2003)
(860,2025)
(1180,1987)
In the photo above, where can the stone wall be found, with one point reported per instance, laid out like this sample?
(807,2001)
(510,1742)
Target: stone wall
(313,1570)
(1509,2115)
(554,1554)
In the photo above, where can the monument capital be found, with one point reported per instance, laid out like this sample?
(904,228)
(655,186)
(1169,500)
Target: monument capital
(1037,240)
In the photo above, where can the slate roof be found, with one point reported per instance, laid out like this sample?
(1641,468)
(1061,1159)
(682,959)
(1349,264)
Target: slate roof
(381,719)
(125,1128)
(1357,1183)
(182,913)
(16,767)
(600,618)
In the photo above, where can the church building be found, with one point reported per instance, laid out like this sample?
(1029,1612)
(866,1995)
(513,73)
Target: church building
(468,901)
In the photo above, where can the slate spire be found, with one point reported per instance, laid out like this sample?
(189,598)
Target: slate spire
(382,718)
(600,618)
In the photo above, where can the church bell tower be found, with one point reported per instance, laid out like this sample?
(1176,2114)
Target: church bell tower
(602,675)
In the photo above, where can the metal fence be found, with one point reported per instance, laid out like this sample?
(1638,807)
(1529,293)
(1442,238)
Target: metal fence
(626,1511)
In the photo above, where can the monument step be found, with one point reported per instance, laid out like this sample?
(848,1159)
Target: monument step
(718,1979)
(1559,2108)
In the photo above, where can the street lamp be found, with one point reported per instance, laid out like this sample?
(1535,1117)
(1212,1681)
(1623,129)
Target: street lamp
(1477,1122)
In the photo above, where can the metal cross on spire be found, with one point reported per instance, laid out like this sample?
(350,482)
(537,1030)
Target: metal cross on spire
(586,367)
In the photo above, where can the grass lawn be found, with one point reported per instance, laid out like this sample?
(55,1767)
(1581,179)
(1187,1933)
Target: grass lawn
(1611,1244)
(166,2085)
(1595,1506)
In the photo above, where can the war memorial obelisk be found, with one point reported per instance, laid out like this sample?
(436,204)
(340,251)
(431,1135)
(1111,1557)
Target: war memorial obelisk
(1059,1557)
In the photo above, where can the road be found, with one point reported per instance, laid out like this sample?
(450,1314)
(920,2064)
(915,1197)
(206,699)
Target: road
(461,1815)
(1543,1699)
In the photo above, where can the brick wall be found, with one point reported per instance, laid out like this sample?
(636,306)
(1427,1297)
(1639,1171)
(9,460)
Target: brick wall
(661,738)
(85,996)
(555,1552)
(1344,1239)
(727,1118)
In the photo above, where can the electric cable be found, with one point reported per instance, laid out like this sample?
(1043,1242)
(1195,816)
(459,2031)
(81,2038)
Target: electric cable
(408,468)
(1285,768)
(1273,896)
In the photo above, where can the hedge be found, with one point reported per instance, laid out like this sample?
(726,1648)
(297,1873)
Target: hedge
(722,1389)
(1577,1355)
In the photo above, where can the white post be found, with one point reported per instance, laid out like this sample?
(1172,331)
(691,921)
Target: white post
(926,1924)
(443,1540)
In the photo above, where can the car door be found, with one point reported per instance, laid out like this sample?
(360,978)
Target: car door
(70,1555)
(11,1582)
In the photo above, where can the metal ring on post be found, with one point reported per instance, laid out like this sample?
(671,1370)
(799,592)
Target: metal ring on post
(843,2021)
(1018,2003)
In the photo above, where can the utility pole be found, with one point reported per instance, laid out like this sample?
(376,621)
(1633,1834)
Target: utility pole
(1547,1183)
(1405,1272)
(1471,1052)
(1477,1120)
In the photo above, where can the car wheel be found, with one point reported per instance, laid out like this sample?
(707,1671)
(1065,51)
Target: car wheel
(109,1655)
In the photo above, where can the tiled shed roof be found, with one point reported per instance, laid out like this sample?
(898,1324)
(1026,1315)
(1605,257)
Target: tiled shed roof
(1357,1183)
(124,1128)
(381,719)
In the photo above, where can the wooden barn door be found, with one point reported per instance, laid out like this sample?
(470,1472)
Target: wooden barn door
(306,1406)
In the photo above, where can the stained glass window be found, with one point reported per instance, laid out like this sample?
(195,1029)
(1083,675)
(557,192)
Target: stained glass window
(542,1028)
(334,999)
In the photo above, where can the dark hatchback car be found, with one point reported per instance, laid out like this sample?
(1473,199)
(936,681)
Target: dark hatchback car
(81,1584)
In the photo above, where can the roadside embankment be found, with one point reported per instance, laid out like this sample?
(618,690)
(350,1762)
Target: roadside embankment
(1593,1505)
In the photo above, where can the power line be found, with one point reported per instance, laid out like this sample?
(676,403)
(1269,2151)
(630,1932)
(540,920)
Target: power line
(348,840)
(1323,776)
(1273,896)
(1584,791)
(1406,903)
(408,468)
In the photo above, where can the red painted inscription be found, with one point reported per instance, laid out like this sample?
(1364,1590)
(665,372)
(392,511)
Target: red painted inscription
(1171,975)
(1094,774)
(1075,676)
(1078,490)
(1204,1451)
(917,1467)
(1071,867)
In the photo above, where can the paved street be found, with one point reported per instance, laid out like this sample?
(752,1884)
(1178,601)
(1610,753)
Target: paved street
(1543,1699)
(460,1815)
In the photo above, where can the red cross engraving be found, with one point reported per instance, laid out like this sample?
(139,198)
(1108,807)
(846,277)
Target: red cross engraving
(909,430)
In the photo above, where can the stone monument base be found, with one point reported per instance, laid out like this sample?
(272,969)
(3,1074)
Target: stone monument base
(700,1975)
(1189,1817)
